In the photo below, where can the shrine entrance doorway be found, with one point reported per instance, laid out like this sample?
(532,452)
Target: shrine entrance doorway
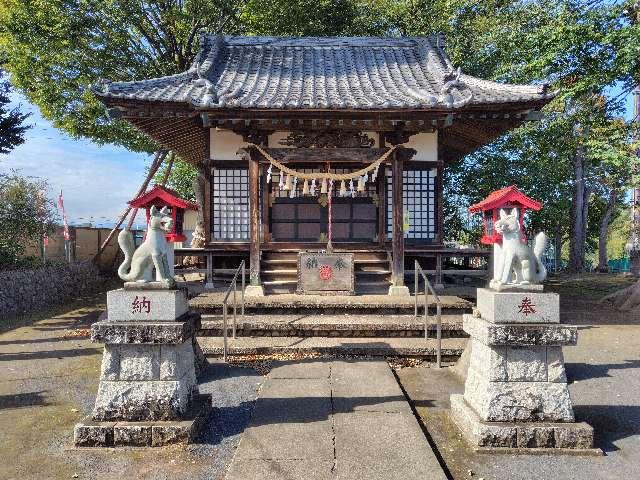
(305,218)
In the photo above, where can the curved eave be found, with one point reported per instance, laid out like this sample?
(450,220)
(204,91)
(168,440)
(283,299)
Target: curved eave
(178,125)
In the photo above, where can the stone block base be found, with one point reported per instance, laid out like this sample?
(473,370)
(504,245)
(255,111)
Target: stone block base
(141,304)
(518,334)
(254,291)
(90,433)
(518,307)
(146,332)
(399,291)
(555,437)
(146,382)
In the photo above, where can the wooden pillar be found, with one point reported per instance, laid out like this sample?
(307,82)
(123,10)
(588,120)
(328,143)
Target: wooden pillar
(438,284)
(398,220)
(382,205)
(440,203)
(254,221)
(264,208)
(204,180)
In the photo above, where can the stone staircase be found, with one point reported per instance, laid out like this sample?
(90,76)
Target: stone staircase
(278,271)
(367,325)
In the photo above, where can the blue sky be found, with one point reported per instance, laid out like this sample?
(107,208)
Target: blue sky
(96,181)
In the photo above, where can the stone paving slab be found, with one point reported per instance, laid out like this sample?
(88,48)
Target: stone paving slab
(280,402)
(301,369)
(354,391)
(385,446)
(286,441)
(282,469)
(367,432)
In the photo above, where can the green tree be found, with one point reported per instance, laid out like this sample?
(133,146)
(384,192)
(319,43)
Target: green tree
(178,176)
(12,127)
(55,50)
(26,215)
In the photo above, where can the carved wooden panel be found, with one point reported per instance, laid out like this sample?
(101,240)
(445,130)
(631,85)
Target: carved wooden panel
(328,139)
(322,273)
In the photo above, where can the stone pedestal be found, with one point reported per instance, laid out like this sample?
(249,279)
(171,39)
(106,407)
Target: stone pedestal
(516,393)
(148,392)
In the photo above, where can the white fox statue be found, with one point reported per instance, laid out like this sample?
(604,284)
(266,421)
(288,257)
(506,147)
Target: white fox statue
(515,262)
(151,253)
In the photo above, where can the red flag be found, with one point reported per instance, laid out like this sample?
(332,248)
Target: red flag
(64,216)
(45,240)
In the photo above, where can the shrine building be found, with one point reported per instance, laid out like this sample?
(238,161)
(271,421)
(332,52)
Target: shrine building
(302,140)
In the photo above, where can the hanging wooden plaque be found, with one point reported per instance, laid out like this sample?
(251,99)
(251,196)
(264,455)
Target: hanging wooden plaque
(322,273)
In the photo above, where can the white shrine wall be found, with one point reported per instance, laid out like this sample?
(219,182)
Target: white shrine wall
(230,220)
(225,144)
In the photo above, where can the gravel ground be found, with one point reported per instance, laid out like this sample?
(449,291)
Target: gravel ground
(50,376)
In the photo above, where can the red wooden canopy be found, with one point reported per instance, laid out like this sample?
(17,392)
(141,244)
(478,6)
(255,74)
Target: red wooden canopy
(161,196)
(508,196)
(165,197)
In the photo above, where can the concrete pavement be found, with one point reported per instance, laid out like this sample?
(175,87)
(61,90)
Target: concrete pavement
(603,371)
(333,419)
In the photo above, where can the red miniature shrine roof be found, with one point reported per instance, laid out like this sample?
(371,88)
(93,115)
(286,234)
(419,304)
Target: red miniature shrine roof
(164,196)
(504,196)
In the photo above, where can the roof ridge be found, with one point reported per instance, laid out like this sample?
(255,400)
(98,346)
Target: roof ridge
(318,42)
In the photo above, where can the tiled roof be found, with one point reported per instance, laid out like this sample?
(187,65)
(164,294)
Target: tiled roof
(504,196)
(322,73)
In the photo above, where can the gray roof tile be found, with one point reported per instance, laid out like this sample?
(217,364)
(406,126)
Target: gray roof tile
(321,73)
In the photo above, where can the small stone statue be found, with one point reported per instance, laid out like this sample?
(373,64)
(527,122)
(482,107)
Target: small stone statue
(198,240)
(515,258)
(152,252)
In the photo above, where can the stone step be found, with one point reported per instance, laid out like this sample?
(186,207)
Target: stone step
(285,262)
(373,270)
(338,346)
(357,254)
(294,261)
(333,325)
(376,304)
(282,255)
(366,271)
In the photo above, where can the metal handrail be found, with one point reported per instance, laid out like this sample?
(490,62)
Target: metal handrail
(428,288)
(233,286)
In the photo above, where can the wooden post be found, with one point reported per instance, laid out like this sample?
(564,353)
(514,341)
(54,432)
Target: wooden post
(440,204)
(382,205)
(204,178)
(254,222)
(209,275)
(439,284)
(398,221)
(264,207)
